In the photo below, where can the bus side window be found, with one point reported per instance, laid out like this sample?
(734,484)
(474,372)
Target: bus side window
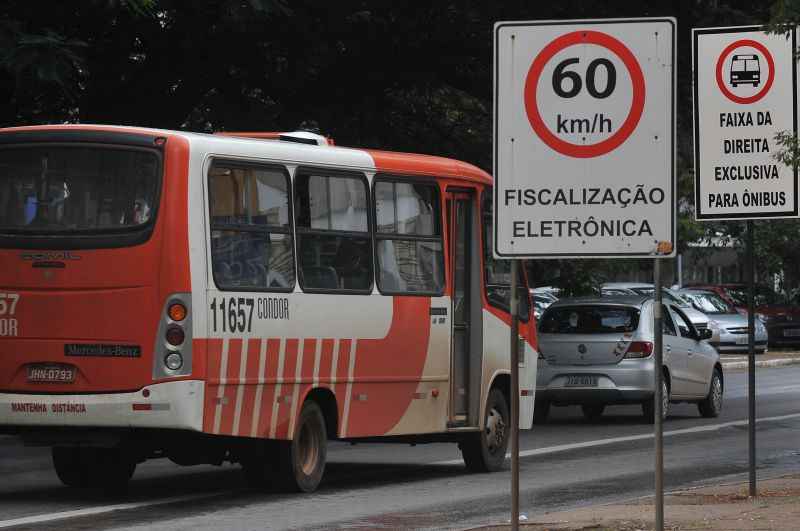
(251,239)
(408,238)
(333,235)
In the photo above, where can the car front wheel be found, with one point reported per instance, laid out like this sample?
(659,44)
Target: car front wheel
(711,406)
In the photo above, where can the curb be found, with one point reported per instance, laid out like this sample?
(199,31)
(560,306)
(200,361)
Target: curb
(780,362)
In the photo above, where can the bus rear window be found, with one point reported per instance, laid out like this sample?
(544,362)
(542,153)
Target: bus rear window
(74,190)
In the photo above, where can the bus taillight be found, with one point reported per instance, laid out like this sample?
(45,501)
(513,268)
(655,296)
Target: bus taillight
(177,312)
(175,336)
(173,348)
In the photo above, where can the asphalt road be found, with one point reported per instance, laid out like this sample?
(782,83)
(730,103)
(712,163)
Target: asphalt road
(567,462)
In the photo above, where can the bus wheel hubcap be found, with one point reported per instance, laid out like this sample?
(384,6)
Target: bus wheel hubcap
(495,431)
(308,449)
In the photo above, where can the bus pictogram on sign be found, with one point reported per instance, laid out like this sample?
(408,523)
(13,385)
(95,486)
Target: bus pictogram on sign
(745,71)
(573,92)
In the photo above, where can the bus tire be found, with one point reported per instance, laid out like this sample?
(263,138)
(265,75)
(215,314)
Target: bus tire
(71,466)
(485,451)
(302,460)
(110,468)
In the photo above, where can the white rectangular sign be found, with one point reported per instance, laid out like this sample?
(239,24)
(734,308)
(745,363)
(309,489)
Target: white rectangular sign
(745,86)
(584,138)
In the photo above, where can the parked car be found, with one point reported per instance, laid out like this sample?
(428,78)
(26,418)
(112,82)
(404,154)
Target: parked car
(599,351)
(540,303)
(610,289)
(547,292)
(729,327)
(780,315)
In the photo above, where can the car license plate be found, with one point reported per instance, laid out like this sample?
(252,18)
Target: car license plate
(792,332)
(51,373)
(742,340)
(581,381)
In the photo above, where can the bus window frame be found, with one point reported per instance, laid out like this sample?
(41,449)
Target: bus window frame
(433,183)
(325,171)
(265,229)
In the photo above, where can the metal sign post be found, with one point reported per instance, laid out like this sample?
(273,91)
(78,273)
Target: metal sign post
(658,331)
(751,359)
(514,397)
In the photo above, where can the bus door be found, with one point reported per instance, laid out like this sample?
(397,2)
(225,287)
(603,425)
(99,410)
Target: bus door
(466,351)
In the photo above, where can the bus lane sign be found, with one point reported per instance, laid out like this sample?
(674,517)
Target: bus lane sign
(745,86)
(584,138)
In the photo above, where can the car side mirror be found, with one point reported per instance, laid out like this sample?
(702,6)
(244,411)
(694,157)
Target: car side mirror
(704,333)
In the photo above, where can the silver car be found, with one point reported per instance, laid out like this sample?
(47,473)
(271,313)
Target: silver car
(599,351)
(729,327)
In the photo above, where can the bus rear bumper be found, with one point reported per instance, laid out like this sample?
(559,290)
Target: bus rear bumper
(172,405)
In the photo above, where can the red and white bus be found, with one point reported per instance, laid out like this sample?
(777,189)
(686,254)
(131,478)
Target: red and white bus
(246,298)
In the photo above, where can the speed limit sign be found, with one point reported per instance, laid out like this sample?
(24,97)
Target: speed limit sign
(584,138)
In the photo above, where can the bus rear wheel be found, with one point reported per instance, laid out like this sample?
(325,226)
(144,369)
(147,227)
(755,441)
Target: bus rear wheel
(301,461)
(71,466)
(485,451)
(87,467)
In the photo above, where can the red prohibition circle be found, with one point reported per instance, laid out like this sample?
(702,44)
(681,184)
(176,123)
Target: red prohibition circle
(721,62)
(637,102)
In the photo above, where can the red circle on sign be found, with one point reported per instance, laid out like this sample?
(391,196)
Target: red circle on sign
(721,61)
(637,102)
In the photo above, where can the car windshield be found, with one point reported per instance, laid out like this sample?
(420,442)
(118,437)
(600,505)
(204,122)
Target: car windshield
(599,319)
(707,302)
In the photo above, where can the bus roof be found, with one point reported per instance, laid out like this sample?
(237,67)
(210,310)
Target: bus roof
(385,161)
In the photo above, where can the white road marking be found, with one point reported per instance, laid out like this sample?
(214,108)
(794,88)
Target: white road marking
(644,436)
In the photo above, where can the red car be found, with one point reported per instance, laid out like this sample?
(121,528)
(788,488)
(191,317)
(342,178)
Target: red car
(781,319)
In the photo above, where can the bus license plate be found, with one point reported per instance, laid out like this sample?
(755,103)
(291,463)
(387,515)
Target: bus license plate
(581,381)
(41,373)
